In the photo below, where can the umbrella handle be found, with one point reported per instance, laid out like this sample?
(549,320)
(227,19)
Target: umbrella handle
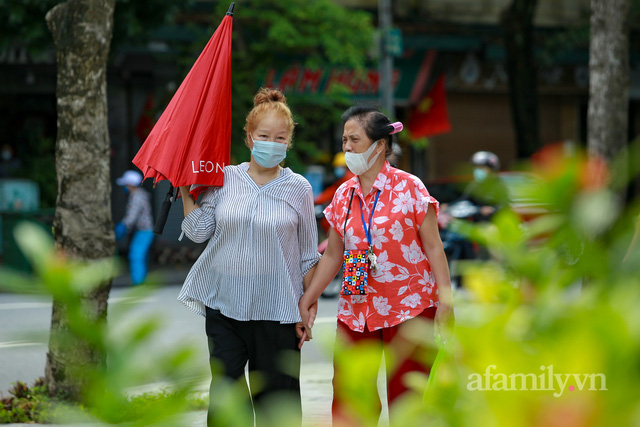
(164,211)
(230,12)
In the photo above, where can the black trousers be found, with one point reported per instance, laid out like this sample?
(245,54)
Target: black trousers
(268,347)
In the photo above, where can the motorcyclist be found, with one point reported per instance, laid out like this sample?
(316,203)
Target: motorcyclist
(487,190)
(481,199)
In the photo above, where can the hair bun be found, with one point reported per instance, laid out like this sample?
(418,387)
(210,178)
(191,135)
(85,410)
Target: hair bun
(266,94)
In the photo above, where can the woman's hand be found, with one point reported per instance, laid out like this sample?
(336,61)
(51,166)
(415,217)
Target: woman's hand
(303,332)
(188,204)
(303,329)
(434,251)
(308,310)
(444,321)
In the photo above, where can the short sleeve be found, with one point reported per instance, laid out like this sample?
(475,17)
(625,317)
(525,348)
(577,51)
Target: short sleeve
(423,200)
(335,212)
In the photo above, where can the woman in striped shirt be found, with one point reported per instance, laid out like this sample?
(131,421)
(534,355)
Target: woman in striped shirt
(262,247)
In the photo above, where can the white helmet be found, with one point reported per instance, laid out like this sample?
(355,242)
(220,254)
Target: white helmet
(486,158)
(130,177)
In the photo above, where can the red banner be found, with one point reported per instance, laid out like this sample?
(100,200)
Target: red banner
(431,117)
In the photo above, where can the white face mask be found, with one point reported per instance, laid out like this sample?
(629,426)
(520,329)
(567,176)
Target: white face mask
(357,162)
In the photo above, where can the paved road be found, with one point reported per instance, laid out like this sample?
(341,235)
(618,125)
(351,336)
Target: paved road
(25,323)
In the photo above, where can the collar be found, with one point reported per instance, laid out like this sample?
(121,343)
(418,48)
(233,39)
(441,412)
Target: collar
(378,184)
(244,166)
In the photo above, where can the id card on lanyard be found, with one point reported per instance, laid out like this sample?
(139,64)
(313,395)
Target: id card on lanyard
(358,263)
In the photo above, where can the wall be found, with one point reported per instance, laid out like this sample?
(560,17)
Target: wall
(483,122)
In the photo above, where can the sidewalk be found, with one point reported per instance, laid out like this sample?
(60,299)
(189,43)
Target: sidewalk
(316,390)
(315,373)
(158,274)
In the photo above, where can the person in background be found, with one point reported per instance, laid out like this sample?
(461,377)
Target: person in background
(486,190)
(262,250)
(342,175)
(386,218)
(9,164)
(138,221)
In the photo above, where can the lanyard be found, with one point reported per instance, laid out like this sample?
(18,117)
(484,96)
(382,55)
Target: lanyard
(368,231)
(344,231)
(370,255)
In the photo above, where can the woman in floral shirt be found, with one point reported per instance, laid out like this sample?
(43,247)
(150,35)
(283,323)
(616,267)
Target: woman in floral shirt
(390,213)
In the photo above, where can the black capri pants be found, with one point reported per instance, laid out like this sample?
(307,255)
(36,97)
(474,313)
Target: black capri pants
(266,346)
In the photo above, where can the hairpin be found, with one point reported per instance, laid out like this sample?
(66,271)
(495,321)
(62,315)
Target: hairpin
(397,127)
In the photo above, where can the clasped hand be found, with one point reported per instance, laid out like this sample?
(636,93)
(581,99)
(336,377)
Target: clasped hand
(308,314)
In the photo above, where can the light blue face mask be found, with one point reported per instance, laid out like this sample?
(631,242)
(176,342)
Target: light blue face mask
(268,154)
(480,174)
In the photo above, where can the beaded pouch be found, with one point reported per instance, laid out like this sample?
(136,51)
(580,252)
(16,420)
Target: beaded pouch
(355,272)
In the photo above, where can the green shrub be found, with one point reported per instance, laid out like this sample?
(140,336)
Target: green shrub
(34,405)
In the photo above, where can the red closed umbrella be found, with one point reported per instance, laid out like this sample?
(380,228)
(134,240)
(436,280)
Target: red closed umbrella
(190,143)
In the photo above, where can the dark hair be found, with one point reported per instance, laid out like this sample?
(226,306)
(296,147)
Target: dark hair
(375,124)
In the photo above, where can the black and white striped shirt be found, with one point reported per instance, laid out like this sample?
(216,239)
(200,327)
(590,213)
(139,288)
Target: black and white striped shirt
(263,240)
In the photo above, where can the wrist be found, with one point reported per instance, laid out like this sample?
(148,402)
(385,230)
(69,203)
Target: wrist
(446,300)
(306,299)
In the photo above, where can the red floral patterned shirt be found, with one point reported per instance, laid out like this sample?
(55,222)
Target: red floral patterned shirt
(403,285)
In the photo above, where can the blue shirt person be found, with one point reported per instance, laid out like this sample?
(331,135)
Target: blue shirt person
(139,221)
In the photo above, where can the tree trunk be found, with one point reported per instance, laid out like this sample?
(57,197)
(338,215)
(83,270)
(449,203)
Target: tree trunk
(608,79)
(517,21)
(83,227)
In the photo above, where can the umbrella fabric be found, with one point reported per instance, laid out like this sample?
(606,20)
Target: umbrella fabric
(190,143)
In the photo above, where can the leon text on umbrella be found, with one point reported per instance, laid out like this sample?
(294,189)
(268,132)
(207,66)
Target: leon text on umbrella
(206,166)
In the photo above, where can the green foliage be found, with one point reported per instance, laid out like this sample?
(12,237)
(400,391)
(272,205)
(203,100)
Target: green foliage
(558,293)
(316,118)
(24,404)
(564,41)
(314,34)
(123,341)
(135,21)
(319,32)
(634,14)
(35,405)
(22,22)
